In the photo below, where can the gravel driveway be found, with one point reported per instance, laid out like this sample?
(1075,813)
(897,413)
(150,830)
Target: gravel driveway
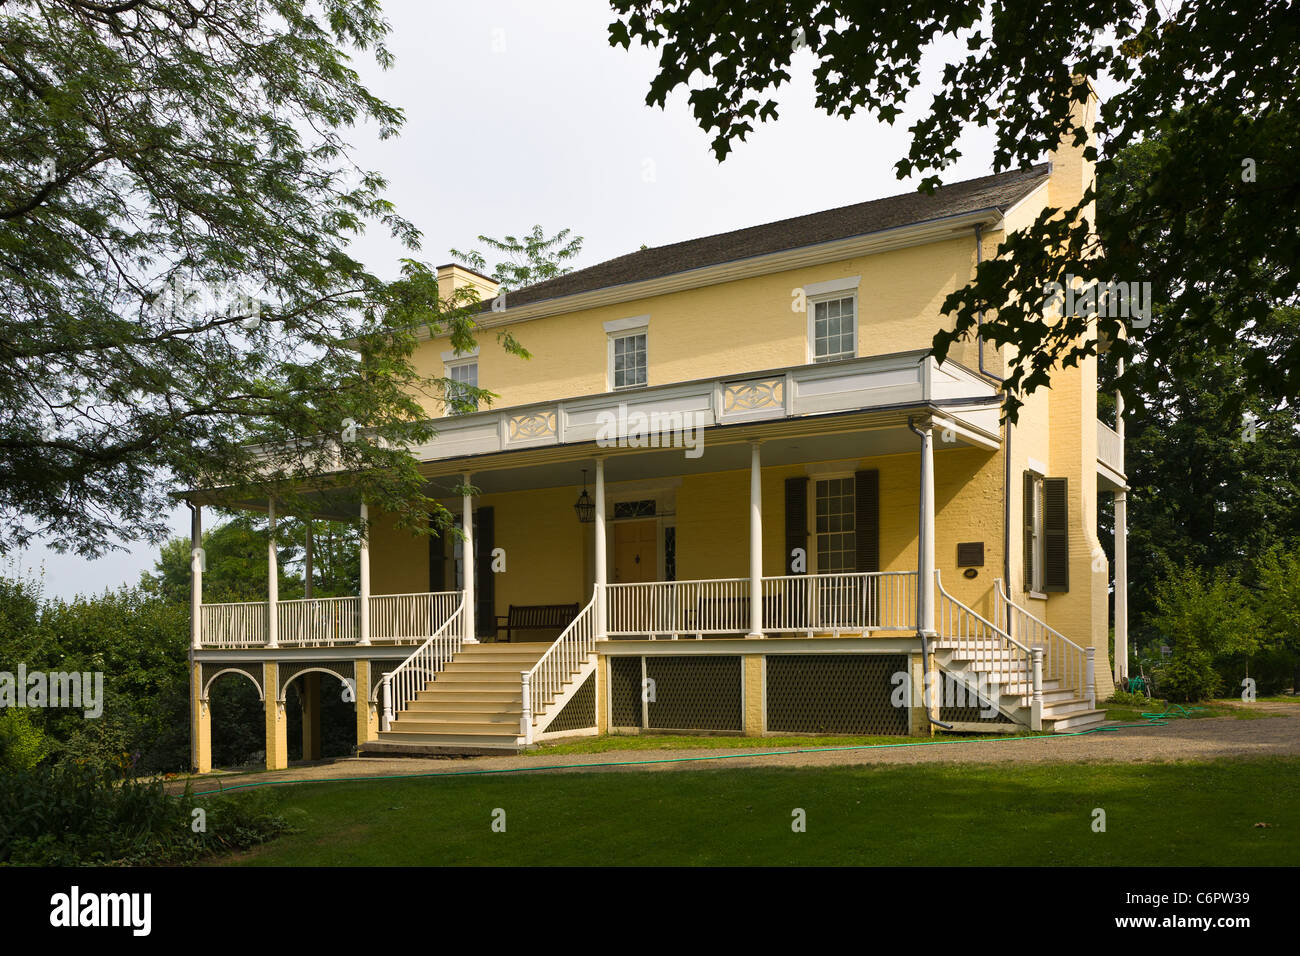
(1202,739)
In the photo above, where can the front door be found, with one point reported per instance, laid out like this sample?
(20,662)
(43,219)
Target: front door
(636,555)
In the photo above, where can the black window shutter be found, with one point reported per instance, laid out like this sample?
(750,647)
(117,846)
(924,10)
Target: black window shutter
(1056,535)
(485,598)
(866,530)
(437,560)
(796,522)
(1028,528)
(866,506)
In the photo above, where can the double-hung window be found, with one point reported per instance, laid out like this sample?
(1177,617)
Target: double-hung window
(833,326)
(628,341)
(464,376)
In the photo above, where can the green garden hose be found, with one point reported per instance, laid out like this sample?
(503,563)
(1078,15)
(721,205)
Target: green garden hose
(1156,721)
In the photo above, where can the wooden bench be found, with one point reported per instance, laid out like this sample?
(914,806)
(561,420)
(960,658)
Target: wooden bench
(536,617)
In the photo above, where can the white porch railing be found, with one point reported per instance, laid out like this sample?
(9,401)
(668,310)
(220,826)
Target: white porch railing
(672,608)
(1063,659)
(1110,447)
(1003,660)
(318,621)
(554,669)
(426,661)
(406,618)
(234,625)
(820,603)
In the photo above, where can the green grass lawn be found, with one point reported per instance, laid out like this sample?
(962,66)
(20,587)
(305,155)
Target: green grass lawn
(1198,814)
(1208,708)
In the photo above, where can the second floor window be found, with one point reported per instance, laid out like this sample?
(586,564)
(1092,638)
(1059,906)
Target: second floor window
(834,329)
(462,374)
(628,360)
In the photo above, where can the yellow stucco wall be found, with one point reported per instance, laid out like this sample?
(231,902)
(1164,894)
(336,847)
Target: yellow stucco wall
(734,327)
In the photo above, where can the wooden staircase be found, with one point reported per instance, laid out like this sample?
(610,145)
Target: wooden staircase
(989,663)
(474,705)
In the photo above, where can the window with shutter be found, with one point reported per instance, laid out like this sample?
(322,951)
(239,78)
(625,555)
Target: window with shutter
(1056,535)
(796,523)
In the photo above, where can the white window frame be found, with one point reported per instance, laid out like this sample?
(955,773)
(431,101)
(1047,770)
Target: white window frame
(461,362)
(623,328)
(1038,549)
(830,292)
(814,557)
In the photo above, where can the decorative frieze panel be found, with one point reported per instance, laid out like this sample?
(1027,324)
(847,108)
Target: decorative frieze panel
(755,395)
(532,426)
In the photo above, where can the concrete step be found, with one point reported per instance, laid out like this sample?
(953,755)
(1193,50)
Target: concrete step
(1076,721)
(466,727)
(465,704)
(390,743)
(1063,708)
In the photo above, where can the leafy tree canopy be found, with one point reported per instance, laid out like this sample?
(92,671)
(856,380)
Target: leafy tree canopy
(178,305)
(527,261)
(1214,230)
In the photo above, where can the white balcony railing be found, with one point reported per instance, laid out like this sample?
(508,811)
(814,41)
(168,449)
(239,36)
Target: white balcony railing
(326,622)
(409,618)
(234,625)
(318,622)
(1110,447)
(803,603)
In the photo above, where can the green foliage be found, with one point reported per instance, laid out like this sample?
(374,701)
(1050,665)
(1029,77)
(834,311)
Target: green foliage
(139,643)
(176,208)
(1211,227)
(1206,611)
(1189,676)
(74,815)
(235,561)
(22,745)
(529,260)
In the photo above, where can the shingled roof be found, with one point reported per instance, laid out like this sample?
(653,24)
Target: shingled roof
(999,192)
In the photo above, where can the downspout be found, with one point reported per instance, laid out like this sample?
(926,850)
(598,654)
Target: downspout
(1006,440)
(925,641)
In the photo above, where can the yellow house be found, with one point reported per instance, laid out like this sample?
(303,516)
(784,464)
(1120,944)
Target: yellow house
(733,492)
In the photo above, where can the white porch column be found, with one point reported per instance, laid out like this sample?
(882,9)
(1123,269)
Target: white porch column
(467,560)
(925,591)
(755,542)
(1121,557)
(1121,588)
(364,555)
(272,580)
(306,563)
(196,576)
(602,570)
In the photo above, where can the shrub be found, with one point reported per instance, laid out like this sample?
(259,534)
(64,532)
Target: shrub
(22,745)
(80,815)
(1189,676)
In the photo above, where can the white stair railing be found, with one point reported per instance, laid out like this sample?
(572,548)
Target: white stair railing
(995,654)
(1064,660)
(411,676)
(858,601)
(554,669)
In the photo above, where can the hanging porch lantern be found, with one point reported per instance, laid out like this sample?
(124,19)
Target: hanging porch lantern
(584,506)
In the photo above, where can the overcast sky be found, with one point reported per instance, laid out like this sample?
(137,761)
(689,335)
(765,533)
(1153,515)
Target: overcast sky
(521,113)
